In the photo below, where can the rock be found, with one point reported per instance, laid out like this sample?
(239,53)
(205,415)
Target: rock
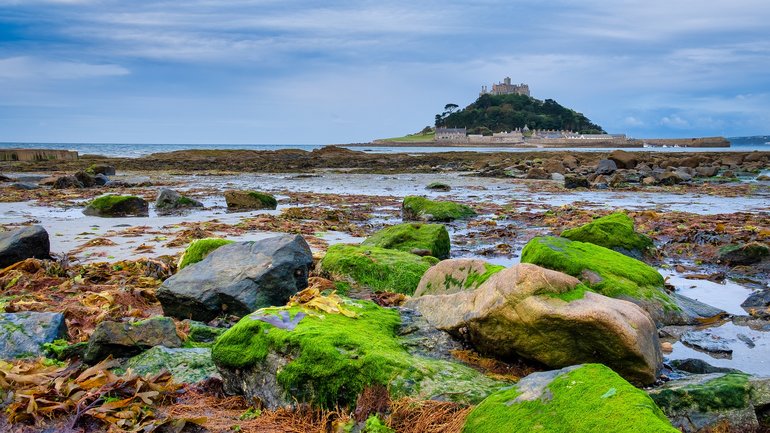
(199,249)
(699,366)
(557,177)
(101,180)
(623,159)
(586,398)
(66,182)
(666,347)
(537,173)
(609,273)
(22,335)
(117,206)
(249,200)
(553,165)
(709,400)
(238,278)
(418,337)
(288,357)
(87,180)
(571,182)
(670,178)
(24,243)
(569,162)
(202,334)
(455,275)
(416,208)
(691,161)
(24,186)
(169,201)
(438,186)
(614,231)
(706,171)
(104,169)
(409,236)
(4,178)
(535,313)
(755,157)
(707,341)
(375,268)
(758,304)
(186,365)
(649,181)
(122,339)
(606,166)
(743,254)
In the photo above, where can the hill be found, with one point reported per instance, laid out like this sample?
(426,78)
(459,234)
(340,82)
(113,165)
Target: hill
(497,113)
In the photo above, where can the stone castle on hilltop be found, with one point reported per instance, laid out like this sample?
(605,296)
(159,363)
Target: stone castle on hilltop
(506,88)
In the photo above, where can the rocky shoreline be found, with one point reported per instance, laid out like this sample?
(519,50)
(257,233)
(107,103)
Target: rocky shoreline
(307,291)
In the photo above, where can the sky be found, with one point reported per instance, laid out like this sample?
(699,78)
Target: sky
(306,72)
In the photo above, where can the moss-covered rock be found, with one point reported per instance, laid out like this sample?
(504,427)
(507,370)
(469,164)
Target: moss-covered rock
(199,249)
(744,254)
(248,200)
(410,237)
(111,205)
(281,356)
(170,201)
(186,365)
(708,399)
(201,335)
(417,208)
(438,186)
(379,269)
(614,231)
(580,399)
(607,272)
(455,275)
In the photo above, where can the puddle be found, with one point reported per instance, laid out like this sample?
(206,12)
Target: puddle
(753,360)
(727,296)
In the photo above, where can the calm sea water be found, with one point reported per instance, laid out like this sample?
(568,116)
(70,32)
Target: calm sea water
(137,150)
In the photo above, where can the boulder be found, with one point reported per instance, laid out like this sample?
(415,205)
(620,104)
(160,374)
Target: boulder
(249,200)
(438,186)
(537,173)
(544,315)
(288,356)
(744,254)
(22,335)
(66,182)
(169,201)
(117,206)
(623,159)
(412,236)
(707,171)
(614,231)
(609,273)
(586,398)
(707,341)
(606,166)
(569,162)
(557,177)
(711,400)
(186,365)
(416,208)
(671,177)
(553,165)
(24,243)
(199,249)
(571,182)
(375,268)
(238,278)
(691,161)
(4,178)
(103,169)
(699,366)
(122,339)
(87,180)
(758,304)
(24,186)
(455,275)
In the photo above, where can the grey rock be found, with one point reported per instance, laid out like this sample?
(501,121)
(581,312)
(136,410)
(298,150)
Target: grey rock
(129,206)
(24,186)
(537,173)
(101,180)
(169,201)
(87,180)
(571,182)
(757,304)
(103,169)
(24,243)
(122,339)
(420,338)
(535,386)
(707,341)
(606,166)
(186,365)
(23,334)
(67,182)
(699,366)
(557,177)
(238,278)
(706,171)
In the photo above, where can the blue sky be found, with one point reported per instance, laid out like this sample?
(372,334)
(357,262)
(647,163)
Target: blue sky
(263,71)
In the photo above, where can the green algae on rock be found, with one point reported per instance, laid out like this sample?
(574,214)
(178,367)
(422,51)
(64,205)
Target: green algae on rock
(744,254)
(417,208)
(281,354)
(455,275)
(379,269)
(614,231)
(199,249)
(111,205)
(186,365)
(249,200)
(579,399)
(409,237)
(603,270)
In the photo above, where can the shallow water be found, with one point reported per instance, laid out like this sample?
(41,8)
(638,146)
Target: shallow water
(727,296)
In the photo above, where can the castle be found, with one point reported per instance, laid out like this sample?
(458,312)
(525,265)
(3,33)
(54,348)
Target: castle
(506,88)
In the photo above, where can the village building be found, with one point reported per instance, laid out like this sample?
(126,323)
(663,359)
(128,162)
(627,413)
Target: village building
(451,135)
(506,88)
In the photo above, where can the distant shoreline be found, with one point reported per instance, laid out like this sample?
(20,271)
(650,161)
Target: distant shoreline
(699,142)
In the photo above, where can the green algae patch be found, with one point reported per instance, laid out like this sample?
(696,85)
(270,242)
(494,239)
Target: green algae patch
(117,205)
(332,358)
(379,269)
(375,425)
(730,391)
(199,249)
(420,208)
(412,236)
(591,398)
(614,231)
(266,199)
(601,269)
(475,279)
(249,200)
(578,292)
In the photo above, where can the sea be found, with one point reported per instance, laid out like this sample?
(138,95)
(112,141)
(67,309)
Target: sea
(133,150)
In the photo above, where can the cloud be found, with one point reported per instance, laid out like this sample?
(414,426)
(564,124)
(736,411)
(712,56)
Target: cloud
(31,68)
(674,121)
(633,121)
